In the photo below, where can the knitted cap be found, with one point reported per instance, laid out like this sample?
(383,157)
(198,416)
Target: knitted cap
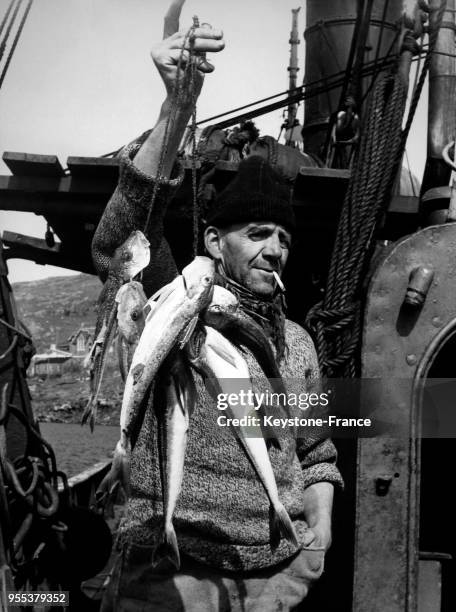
(257,193)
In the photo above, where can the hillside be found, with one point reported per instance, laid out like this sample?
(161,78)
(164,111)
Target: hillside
(53,309)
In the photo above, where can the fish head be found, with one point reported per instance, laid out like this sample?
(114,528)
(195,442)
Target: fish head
(198,278)
(133,255)
(223,304)
(130,310)
(195,345)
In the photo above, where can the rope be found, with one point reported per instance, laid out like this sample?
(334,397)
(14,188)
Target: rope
(5,18)
(195,207)
(15,329)
(351,55)
(380,38)
(295,95)
(16,40)
(171,117)
(368,68)
(9,27)
(9,349)
(366,198)
(337,320)
(29,485)
(190,75)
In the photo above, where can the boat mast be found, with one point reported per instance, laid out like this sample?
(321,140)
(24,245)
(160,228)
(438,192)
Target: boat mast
(293,137)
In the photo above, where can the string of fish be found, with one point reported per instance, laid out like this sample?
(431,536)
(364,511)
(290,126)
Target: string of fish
(123,309)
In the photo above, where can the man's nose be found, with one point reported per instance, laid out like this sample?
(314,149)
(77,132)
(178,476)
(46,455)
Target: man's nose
(272,249)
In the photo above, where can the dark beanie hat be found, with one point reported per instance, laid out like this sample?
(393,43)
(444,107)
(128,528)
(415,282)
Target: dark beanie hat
(257,193)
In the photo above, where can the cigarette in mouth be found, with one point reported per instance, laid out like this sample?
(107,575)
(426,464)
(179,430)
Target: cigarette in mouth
(278,280)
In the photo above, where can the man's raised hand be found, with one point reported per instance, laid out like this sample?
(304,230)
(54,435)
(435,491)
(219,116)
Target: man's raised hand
(177,44)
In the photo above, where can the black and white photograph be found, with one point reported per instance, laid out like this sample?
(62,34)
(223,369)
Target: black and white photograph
(227,305)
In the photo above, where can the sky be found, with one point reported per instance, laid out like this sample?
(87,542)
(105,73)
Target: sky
(81,81)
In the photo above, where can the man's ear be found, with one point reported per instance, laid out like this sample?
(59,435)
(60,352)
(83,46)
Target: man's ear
(213,242)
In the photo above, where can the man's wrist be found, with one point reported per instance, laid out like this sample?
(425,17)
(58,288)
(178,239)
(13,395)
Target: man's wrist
(182,107)
(318,500)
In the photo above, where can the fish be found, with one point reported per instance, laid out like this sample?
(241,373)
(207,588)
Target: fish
(177,306)
(224,315)
(129,259)
(130,300)
(219,362)
(174,403)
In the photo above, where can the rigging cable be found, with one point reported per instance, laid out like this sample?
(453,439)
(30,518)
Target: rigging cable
(379,42)
(367,70)
(354,89)
(5,18)
(337,320)
(16,40)
(10,25)
(351,55)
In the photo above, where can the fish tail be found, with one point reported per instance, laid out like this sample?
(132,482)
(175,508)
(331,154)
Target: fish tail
(87,411)
(281,526)
(167,548)
(90,413)
(269,432)
(118,475)
(96,380)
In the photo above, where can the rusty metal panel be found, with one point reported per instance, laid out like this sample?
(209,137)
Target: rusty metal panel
(396,337)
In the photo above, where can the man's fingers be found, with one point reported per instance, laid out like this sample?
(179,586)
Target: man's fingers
(204,66)
(201,63)
(172,18)
(202,32)
(176,56)
(309,537)
(200,45)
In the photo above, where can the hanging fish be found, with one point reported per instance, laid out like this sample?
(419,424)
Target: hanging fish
(130,300)
(218,361)
(128,260)
(224,315)
(174,402)
(176,311)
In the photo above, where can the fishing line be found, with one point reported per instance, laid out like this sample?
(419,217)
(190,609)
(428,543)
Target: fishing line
(195,210)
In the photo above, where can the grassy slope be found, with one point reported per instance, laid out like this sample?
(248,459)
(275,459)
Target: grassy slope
(53,309)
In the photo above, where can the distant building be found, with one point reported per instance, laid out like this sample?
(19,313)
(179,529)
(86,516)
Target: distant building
(50,363)
(80,342)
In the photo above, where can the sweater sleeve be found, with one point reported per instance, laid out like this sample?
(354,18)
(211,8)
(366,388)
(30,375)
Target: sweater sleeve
(316,455)
(127,210)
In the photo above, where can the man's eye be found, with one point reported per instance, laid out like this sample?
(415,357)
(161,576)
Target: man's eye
(285,241)
(259,235)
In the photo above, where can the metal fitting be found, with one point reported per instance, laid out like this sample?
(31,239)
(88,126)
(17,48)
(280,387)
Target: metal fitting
(419,284)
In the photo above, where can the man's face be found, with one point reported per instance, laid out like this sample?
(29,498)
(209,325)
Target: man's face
(251,252)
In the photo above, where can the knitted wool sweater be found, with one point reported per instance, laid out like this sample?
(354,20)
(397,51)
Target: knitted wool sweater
(222,516)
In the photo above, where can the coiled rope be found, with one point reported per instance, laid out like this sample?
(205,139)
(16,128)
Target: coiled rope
(337,320)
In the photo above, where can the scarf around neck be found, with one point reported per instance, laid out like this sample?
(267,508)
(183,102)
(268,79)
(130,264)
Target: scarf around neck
(267,312)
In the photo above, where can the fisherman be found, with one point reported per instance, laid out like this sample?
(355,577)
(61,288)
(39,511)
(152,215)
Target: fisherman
(221,521)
